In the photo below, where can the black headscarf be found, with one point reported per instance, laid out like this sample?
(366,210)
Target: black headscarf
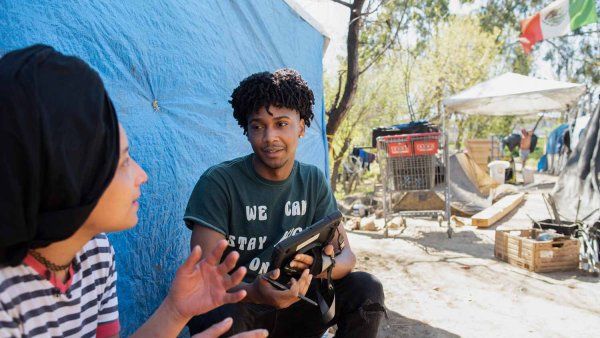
(59,148)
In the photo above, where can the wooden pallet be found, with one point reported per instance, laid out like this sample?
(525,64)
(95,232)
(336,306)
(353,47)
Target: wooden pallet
(517,247)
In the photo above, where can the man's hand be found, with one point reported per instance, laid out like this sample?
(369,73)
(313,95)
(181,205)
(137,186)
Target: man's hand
(201,285)
(302,261)
(223,326)
(281,299)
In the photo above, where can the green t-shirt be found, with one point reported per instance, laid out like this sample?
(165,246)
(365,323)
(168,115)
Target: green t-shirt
(253,213)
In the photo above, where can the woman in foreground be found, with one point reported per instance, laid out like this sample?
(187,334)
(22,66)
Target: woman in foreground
(66,178)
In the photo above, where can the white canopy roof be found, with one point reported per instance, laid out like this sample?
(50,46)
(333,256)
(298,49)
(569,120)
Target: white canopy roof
(514,94)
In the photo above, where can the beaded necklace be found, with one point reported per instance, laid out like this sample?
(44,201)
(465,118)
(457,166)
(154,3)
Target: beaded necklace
(49,265)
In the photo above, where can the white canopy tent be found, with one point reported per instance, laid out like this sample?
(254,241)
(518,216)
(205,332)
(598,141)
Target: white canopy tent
(514,94)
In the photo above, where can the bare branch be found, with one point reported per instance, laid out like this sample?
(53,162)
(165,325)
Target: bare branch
(344,3)
(558,49)
(389,45)
(369,4)
(380,54)
(345,147)
(407,71)
(358,17)
(369,11)
(363,110)
(339,91)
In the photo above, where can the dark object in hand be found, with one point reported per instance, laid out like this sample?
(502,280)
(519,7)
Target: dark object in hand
(310,241)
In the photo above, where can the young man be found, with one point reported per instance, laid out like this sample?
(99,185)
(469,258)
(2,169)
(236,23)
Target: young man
(525,145)
(67,178)
(257,200)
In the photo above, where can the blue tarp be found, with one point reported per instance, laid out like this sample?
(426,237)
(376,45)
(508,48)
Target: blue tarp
(555,139)
(170,67)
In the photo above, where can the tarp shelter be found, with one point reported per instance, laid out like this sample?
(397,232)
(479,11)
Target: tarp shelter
(555,156)
(470,186)
(170,68)
(579,181)
(514,94)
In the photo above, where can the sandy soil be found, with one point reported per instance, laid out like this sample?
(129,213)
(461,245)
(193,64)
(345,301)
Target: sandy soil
(440,287)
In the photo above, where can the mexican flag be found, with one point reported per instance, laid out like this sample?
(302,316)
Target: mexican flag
(557,19)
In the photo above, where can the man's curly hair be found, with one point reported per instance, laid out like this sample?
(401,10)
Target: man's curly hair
(283,88)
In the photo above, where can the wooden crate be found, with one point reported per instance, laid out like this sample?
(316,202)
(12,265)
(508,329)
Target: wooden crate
(517,247)
(480,151)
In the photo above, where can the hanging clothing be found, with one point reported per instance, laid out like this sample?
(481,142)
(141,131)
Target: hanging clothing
(365,157)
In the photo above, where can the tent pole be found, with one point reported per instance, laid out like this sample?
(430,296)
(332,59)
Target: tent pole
(572,125)
(536,124)
(446,168)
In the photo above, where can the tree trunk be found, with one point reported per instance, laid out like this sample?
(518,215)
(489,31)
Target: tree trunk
(337,112)
(337,161)
(335,173)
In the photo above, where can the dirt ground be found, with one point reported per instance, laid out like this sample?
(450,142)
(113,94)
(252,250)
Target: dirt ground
(440,287)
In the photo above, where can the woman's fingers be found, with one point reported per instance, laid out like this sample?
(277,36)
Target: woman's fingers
(192,259)
(236,277)
(215,256)
(252,334)
(216,330)
(229,263)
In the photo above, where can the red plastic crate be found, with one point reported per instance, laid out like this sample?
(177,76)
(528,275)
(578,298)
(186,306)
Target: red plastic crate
(425,147)
(399,149)
(411,144)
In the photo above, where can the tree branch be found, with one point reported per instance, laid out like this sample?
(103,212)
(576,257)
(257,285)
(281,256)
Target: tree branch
(344,3)
(558,49)
(361,114)
(389,45)
(369,11)
(379,54)
(339,91)
(407,70)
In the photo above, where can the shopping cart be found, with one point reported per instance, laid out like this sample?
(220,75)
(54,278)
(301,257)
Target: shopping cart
(415,164)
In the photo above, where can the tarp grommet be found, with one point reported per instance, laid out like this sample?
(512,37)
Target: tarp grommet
(155,105)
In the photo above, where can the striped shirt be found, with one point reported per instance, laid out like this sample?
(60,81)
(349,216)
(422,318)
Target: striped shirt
(33,303)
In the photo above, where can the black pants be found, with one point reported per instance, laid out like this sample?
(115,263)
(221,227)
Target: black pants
(359,308)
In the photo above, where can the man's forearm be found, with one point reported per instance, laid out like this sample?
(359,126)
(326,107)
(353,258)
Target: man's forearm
(252,295)
(344,263)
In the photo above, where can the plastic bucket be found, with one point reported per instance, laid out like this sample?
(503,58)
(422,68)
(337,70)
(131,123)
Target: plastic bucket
(497,169)
(527,176)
